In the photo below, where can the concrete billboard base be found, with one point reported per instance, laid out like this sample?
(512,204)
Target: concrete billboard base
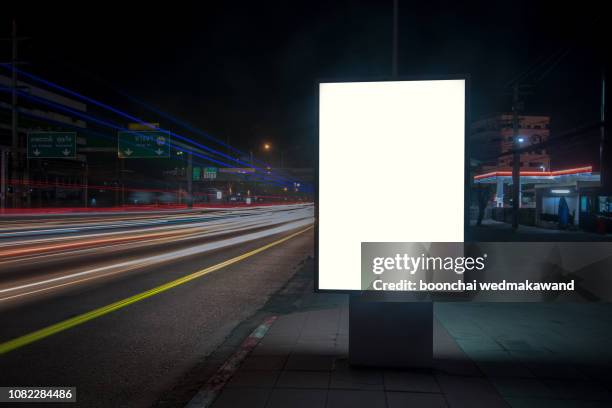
(386,332)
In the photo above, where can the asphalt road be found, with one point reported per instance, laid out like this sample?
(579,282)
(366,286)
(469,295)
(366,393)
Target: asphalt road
(76,271)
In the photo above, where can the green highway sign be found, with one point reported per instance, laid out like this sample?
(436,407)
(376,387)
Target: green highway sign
(143,144)
(209,173)
(197,172)
(204,173)
(52,145)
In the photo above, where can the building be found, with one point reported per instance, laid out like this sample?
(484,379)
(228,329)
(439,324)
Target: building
(566,198)
(493,135)
(573,186)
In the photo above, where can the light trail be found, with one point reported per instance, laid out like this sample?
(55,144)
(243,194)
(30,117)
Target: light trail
(218,231)
(128,221)
(203,230)
(213,231)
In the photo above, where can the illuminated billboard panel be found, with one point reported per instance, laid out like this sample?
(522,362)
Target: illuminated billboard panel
(391,169)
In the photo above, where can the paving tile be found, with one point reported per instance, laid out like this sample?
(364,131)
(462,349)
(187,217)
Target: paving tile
(263,362)
(253,379)
(356,399)
(242,397)
(516,402)
(295,398)
(279,341)
(415,400)
(533,356)
(309,362)
(410,381)
(342,363)
(322,348)
(522,387)
(358,379)
(461,366)
(516,344)
(554,370)
(448,356)
(478,344)
(303,379)
(270,350)
(291,321)
(469,392)
(505,369)
(499,355)
(580,390)
(319,337)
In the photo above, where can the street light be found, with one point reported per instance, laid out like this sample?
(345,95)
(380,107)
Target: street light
(521,139)
(267,146)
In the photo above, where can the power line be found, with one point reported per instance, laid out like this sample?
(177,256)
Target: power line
(183,123)
(133,118)
(116,126)
(540,63)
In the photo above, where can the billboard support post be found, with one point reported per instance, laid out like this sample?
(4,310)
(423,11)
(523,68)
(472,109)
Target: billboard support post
(389,332)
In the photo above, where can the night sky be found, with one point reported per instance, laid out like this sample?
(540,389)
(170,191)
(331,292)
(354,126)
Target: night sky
(247,71)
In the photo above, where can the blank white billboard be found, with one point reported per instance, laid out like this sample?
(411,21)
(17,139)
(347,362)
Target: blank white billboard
(391,169)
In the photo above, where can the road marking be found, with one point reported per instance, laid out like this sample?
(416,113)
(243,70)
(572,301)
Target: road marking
(85,317)
(207,394)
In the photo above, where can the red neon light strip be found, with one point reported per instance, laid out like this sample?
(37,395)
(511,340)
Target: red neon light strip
(77,186)
(577,170)
(141,208)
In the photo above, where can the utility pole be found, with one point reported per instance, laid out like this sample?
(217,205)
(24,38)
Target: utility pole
(85,184)
(14,117)
(190,180)
(604,171)
(122,178)
(15,153)
(395,39)
(117,180)
(516,157)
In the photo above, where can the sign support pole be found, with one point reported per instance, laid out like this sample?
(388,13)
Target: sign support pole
(122,175)
(85,185)
(190,180)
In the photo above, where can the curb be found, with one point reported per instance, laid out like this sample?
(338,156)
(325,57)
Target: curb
(209,392)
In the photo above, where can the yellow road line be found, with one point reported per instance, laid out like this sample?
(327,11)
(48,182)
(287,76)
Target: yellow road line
(80,319)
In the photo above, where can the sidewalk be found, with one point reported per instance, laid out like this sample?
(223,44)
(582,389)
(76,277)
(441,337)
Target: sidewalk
(486,355)
(494,231)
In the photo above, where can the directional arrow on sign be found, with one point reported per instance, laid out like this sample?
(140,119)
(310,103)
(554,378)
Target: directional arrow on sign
(36,152)
(128,152)
(65,152)
(159,151)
